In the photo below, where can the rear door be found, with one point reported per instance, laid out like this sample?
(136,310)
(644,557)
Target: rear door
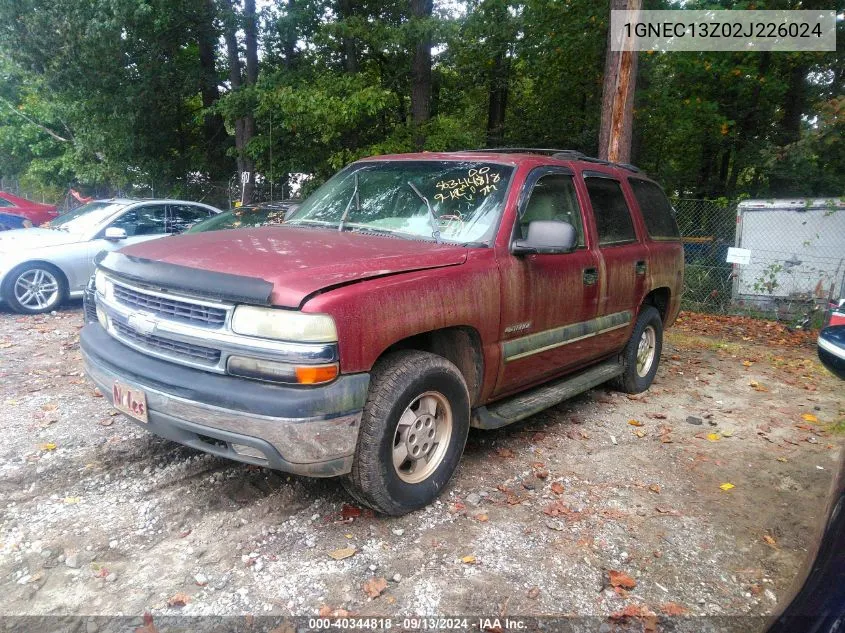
(548,299)
(181,217)
(623,259)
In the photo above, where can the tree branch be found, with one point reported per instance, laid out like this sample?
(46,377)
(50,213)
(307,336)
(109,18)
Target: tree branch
(35,123)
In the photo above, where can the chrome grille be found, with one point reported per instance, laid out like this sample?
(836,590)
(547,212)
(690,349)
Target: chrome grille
(185,311)
(189,351)
(90,310)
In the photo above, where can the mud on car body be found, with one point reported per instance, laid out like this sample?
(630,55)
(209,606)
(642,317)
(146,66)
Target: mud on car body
(409,298)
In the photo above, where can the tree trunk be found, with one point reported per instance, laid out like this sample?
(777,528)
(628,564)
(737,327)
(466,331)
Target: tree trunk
(498,100)
(617,108)
(251,41)
(345,9)
(421,74)
(793,106)
(214,130)
(245,122)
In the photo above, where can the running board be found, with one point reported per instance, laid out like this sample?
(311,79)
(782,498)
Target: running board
(530,402)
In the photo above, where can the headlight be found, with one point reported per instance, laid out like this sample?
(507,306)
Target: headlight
(102,283)
(284,325)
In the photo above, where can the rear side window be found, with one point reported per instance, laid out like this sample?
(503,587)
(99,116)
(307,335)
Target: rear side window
(613,218)
(655,209)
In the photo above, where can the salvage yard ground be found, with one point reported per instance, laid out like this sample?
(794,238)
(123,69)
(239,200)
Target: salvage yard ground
(704,493)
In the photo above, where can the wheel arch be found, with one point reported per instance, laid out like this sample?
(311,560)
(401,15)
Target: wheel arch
(460,345)
(660,299)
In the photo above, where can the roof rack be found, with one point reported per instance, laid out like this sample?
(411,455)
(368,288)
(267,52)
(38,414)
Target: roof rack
(560,154)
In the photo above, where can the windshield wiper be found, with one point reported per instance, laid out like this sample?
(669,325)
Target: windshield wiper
(354,197)
(435,230)
(378,231)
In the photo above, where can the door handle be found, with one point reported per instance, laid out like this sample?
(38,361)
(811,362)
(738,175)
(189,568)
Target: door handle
(591,276)
(641,266)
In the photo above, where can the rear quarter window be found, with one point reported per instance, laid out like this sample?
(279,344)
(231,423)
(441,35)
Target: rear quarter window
(655,209)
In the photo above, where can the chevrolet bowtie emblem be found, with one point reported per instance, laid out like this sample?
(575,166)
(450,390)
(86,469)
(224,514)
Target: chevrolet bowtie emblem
(142,323)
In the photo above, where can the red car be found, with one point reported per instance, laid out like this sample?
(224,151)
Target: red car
(35,212)
(407,299)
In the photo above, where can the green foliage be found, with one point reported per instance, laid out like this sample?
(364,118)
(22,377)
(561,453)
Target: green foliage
(109,94)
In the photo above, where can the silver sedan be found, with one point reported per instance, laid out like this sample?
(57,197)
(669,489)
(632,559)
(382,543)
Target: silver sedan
(42,267)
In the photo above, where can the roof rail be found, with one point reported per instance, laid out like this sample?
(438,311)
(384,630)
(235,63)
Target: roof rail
(561,154)
(519,150)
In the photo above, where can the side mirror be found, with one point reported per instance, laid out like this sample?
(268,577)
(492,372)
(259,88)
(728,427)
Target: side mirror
(546,236)
(115,234)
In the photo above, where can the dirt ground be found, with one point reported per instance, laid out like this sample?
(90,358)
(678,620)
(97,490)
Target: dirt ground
(99,517)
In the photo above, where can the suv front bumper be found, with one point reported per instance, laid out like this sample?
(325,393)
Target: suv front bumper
(304,430)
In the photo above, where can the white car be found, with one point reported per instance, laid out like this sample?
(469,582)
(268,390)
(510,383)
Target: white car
(42,267)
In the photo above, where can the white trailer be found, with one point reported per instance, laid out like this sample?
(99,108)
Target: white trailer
(796,248)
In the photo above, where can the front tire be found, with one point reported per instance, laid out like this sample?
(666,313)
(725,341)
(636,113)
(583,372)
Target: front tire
(641,356)
(413,431)
(34,288)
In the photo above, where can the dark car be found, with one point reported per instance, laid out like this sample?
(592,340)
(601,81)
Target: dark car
(832,340)
(832,349)
(249,215)
(9,221)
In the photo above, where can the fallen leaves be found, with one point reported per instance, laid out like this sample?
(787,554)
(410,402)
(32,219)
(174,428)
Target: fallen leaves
(556,509)
(345,552)
(809,417)
(771,334)
(669,511)
(469,560)
(178,599)
(327,612)
(620,579)
(635,423)
(148,626)
(505,453)
(374,587)
(655,488)
(770,541)
(558,488)
(756,386)
(727,486)
(483,518)
(673,609)
(714,437)
(49,446)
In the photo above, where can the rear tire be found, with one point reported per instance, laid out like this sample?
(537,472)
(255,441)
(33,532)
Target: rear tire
(641,356)
(413,431)
(34,288)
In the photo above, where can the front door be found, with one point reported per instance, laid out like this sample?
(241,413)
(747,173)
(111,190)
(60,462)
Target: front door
(141,223)
(548,300)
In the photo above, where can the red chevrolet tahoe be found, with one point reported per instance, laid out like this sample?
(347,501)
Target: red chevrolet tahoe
(409,298)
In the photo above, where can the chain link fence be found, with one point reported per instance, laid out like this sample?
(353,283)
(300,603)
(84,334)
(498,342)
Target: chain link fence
(795,250)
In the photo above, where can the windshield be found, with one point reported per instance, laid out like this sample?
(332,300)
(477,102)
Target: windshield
(242,217)
(85,218)
(453,201)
